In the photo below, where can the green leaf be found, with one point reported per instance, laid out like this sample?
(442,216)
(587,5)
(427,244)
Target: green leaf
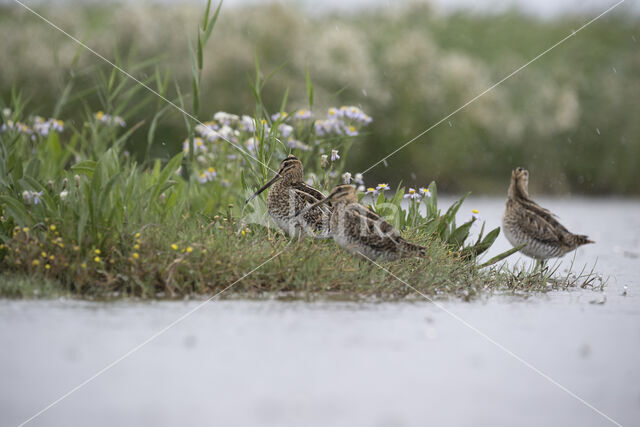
(501,256)
(212,23)
(459,235)
(166,173)
(86,167)
(16,209)
(307,78)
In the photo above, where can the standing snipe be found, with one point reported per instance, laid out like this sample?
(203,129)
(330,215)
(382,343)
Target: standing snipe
(289,195)
(527,223)
(358,229)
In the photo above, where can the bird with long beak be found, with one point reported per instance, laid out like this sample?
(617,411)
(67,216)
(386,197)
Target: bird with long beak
(526,223)
(361,231)
(289,194)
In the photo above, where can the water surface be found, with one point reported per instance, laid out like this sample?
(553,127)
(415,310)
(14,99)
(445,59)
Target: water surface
(272,363)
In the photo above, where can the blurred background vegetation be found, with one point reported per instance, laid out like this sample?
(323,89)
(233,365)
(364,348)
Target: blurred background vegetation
(571,117)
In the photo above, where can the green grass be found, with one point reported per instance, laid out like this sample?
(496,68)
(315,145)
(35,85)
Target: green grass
(81,215)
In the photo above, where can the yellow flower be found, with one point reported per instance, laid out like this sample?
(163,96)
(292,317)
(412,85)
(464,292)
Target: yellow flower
(51,257)
(61,245)
(137,235)
(76,248)
(243,232)
(136,255)
(136,246)
(83,265)
(174,246)
(35,262)
(52,227)
(211,170)
(475,211)
(97,252)
(97,259)
(25,229)
(189,249)
(47,266)
(44,254)
(99,115)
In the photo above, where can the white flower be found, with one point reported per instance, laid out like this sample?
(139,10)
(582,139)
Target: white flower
(279,116)
(359,179)
(303,114)
(475,214)
(248,124)
(425,192)
(6,112)
(346,178)
(335,113)
(350,130)
(323,160)
(361,189)
(334,155)
(412,194)
(64,194)
(285,130)
(383,187)
(225,118)
(372,191)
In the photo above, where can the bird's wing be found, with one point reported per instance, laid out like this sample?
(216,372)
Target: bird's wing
(537,226)
(545,214)
(372,228)
(308,190)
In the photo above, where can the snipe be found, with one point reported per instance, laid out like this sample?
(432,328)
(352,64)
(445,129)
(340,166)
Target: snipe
(527,223)
(358,229)
(289,194)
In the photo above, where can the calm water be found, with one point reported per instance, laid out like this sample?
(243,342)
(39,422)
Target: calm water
(270,363)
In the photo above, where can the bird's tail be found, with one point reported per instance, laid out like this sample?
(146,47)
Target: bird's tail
(576,240)
(415,250)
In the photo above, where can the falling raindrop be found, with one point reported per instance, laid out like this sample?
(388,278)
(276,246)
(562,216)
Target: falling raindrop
(384,161)
(164,143)
(598,131)
(614,69)
(450,125)
(364,92)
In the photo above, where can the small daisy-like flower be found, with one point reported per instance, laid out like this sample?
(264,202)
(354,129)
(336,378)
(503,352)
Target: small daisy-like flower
(135,255)
(303,114)
(358,179)
(35,262)
(334,155)
(225,183)
(361,189)
(334,113)
(346,178)
(97,259)
(52,227)
(382,187)
(412,194)
(372,191)
(277,116)
(475,214)
(136,246)
(189,249)
(285,130)
(97,252)
(425,192)
(225,118)
(323,160)
(174,246)
(47,266)
(350,131)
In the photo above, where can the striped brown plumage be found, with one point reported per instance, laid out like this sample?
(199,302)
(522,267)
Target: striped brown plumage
(527,223)
(359,230)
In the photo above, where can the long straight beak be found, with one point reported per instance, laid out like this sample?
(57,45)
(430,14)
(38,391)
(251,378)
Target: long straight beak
(264,187)
(308,208)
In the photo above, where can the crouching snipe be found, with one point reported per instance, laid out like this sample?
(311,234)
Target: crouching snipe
(359,230)
(527,223)
(289,195)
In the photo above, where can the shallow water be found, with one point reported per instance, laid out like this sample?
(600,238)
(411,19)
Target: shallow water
(270,363)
